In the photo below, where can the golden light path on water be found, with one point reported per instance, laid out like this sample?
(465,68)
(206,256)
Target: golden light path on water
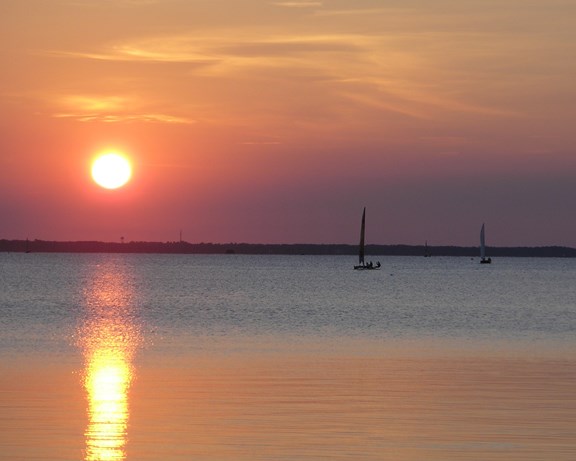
(109,338)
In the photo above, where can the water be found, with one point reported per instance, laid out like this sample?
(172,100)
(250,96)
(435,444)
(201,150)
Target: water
(230,357)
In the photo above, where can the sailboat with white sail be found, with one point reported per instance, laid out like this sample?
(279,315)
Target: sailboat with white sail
(483,258)
(362,265)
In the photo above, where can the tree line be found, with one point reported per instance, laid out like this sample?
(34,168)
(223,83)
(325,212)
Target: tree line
(46,246)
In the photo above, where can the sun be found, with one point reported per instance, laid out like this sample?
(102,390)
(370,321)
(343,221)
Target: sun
(111,170)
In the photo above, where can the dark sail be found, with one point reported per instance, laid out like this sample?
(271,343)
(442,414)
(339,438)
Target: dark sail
(361,249)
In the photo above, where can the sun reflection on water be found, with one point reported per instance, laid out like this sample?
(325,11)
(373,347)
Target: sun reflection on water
(109,338)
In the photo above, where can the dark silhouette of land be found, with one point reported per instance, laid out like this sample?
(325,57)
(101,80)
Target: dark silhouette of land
(44,246)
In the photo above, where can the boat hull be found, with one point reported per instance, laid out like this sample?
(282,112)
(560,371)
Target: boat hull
(366,268)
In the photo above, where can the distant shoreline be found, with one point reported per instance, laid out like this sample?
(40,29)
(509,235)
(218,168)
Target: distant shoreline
(45,246)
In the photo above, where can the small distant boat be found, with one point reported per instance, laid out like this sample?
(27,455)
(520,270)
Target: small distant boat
(483,258)
(362,265)
(426,250)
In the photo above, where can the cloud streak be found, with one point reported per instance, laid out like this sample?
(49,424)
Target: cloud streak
(301,4)
(383,74)
(111,109)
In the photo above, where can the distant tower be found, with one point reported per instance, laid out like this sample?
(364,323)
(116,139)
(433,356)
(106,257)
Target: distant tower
(180,235)
(121,239)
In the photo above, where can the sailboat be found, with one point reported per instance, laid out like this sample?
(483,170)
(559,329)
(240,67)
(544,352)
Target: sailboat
(426,250)
(362,265)
(483,258)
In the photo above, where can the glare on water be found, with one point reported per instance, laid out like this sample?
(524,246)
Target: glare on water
(108,339)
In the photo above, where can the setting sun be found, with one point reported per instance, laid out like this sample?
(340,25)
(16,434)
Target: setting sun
(111,170)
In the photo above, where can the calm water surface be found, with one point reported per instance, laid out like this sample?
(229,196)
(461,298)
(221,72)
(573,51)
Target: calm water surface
(216,358)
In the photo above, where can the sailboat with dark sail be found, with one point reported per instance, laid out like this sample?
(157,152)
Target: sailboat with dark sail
(362,264)
(483,258)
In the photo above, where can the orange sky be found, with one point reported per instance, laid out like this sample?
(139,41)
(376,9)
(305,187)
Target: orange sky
(277,121)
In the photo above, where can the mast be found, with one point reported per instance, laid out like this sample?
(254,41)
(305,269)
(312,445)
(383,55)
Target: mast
(482,251)
(362,230)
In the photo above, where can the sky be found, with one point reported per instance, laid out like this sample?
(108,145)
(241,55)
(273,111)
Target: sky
(277,121)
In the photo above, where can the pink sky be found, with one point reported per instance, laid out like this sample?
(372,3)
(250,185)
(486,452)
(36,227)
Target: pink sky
(269,121)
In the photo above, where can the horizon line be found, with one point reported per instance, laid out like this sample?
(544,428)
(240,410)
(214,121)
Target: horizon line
(173,242)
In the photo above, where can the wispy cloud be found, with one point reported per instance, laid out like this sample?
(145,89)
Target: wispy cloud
(212,50)
(302,4)
(110,109)
(406,66)
(108,3)
(139,53)
(117,118)
(260,143)
(353,12)
(94,103)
